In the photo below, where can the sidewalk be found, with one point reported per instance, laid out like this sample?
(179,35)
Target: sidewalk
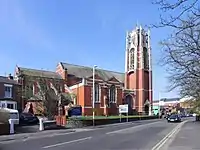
(187,138)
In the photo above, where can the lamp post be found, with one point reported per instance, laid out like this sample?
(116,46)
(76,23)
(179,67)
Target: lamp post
(159,105)
(93,101)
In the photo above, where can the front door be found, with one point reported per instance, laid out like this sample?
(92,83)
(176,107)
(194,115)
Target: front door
(129,101)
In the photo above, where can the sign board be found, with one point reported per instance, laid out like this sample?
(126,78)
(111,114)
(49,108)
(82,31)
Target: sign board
(123,108)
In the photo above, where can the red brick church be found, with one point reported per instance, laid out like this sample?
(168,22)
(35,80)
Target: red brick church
(134,87)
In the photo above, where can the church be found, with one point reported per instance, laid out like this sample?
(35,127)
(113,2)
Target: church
(111,88)
(133,87)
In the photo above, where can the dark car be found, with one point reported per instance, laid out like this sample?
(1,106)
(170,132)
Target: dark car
(174,118)
(28,118)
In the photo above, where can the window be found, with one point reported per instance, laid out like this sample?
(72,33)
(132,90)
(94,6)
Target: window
(97,93)
(145,58)
(112,94)
(11,106)
(8,91)
(131,59)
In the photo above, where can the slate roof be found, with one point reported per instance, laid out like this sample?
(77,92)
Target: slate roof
(5,80)
(86,72)
(170,99)
(39,73)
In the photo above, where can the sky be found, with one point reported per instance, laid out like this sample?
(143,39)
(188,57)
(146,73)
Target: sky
(39,34)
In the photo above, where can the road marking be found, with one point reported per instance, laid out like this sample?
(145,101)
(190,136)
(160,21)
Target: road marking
(168,136)
(68,142)
(117,131)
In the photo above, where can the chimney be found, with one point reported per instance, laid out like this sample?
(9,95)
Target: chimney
(10,77)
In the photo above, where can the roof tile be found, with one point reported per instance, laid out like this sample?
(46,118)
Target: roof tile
(86,72)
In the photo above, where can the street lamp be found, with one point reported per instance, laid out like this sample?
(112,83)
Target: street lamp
(93,102)
(159,105)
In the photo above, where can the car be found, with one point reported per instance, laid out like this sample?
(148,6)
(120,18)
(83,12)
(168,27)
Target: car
(28,118)
(174,118)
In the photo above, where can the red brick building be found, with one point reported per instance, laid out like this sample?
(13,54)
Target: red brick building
(10,93)
(30,79)
(133,87)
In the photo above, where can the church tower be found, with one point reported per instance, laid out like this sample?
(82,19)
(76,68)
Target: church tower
(138,68)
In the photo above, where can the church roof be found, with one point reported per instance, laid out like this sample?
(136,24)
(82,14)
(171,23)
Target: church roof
(39,73)
(86,72)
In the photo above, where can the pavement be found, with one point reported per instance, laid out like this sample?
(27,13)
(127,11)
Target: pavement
(187,138)
(138,135)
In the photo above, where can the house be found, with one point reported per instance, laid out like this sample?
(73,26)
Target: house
(166,105)
(10,93)
(37,84)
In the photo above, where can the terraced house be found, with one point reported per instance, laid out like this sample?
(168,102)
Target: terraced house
(10,93)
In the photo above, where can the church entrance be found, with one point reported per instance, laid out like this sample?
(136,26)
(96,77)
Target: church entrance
(146,107)
(129,101)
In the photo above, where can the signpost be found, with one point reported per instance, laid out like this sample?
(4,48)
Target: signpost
(123,109)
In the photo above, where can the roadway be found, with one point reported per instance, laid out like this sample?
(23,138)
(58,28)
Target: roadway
(138,135)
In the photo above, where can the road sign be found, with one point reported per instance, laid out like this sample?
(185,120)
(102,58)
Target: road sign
(123,108)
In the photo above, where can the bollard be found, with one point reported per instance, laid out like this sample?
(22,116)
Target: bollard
(11,122)
(41,126)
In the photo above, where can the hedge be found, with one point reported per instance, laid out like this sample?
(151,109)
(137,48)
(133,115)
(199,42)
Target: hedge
(4,116)
(101,120)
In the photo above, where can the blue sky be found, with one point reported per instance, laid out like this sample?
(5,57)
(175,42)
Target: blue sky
(39,34)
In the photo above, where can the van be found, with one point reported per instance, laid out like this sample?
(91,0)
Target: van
(13,114)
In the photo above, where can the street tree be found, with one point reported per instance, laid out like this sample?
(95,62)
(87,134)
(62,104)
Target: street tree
(181,49)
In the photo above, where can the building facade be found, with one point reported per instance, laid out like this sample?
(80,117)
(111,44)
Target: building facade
(132,87)
(166,105)
(37,84)
(10,93)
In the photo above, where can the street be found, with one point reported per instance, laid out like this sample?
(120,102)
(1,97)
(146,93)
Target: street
(142,135)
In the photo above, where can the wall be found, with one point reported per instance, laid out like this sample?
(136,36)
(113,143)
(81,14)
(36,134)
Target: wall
(84,98)
(16,94)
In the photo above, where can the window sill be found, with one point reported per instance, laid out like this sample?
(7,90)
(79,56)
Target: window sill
(7,97)
(112,102)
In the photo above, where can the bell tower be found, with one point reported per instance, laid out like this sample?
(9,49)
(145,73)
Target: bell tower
(138,68)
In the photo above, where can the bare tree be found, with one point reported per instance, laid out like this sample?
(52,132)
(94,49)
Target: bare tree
(173,14)
(181,50)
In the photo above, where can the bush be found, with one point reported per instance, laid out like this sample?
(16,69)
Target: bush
(4,129)
(4,116)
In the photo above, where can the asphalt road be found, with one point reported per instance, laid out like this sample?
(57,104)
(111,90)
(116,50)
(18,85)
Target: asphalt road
(139,135)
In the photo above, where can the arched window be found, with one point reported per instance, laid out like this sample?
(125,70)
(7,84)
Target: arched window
(145,58)
(131,59)
(97,90)
(112,94)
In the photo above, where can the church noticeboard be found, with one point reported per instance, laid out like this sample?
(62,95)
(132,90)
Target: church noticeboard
(123,108)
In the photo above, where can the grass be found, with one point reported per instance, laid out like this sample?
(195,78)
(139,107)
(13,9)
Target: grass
(104,117)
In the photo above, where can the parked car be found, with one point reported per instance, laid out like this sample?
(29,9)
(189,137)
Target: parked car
(174,118)
(28,118)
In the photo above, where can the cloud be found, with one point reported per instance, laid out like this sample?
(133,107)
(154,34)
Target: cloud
(19,25)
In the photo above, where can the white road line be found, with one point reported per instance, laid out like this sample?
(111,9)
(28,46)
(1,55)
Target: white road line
(138,126)
(68,142)
(160,144)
